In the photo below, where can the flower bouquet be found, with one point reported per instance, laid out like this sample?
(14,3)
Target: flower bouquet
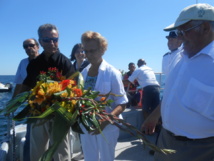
(65,101)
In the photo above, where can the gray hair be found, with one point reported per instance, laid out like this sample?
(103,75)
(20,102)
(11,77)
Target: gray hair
(197,22)
(46,27)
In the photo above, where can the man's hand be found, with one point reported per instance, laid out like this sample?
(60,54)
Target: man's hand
(148,126)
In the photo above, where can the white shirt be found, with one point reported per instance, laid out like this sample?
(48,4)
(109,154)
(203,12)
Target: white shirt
(170,60)
(144,75)
(109,80)
(21,72)
(187,107)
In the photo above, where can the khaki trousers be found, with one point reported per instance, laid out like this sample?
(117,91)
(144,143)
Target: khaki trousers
(41,138)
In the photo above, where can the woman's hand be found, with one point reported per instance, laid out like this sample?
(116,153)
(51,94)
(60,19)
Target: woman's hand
(103,124)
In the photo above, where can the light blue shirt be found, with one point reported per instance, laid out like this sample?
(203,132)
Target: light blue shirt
(90,82)
(21,72)
(187,107)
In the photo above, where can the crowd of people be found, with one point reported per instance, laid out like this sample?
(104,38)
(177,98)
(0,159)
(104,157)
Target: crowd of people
(186,109)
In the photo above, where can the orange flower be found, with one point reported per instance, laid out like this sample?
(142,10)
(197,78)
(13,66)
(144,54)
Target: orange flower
(65,83)
(102,99)
(78,92)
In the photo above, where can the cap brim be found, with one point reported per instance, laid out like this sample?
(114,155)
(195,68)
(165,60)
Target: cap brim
(175,25)
(170,27)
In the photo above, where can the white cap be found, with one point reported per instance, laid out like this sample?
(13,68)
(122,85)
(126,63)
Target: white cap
(199,11)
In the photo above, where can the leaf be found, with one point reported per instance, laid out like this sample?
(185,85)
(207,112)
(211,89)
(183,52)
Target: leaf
(59,93)
(16,102)
(95,122)
(86,123)
(67,116)
(49,111)
(21,115)
(44,89)
(80,81)
(50,81)
(74,75)
(60,129)
(86,92)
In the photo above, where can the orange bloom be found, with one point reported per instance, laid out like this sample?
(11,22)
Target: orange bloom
(65,83)
(102,99)
(78,92)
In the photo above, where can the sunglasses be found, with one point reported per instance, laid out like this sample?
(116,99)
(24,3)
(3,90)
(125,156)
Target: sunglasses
(28,45)
(183,32)
(47,40)
(90,51)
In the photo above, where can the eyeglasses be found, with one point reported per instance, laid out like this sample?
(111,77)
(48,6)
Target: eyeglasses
(90,51)
(182,32)
(28,45)
(47,40)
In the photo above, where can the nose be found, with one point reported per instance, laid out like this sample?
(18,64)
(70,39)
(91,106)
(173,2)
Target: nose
(52,42)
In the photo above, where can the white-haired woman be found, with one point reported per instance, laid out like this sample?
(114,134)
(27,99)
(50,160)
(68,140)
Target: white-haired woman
(102,77)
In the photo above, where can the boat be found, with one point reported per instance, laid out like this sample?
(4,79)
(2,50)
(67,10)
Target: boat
(5,87)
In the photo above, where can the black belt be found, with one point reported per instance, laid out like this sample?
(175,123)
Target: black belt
(183,138)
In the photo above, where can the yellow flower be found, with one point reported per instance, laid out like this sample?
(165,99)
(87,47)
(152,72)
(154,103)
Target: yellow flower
(64,94)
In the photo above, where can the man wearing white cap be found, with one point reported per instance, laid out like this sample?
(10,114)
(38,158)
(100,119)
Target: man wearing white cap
(187,108)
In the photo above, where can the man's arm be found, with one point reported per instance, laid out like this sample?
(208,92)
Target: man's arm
(17,90)
(118,110)
(148,126)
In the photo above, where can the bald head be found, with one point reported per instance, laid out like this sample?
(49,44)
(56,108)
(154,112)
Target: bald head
(31,47)
(141,62)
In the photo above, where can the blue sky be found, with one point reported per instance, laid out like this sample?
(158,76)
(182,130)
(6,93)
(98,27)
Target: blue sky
(133,28)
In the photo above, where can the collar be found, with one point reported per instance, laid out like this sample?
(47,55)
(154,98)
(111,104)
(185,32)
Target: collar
(101,67)
(207,50)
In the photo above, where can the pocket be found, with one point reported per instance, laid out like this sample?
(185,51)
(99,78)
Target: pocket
(199,98)
(105,88)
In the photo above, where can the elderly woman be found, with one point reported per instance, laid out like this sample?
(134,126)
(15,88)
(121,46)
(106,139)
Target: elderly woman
(78,57)
(102,77)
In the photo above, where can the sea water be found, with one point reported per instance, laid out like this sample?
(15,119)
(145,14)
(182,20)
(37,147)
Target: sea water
(4,98)
(6,123)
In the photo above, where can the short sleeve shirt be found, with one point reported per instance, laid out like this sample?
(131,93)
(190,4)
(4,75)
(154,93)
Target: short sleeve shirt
(58,60)
(21,72)
(145,76)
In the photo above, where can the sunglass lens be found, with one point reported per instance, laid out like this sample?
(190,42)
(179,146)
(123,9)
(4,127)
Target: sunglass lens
(28,45)
(47,40)
(31,45)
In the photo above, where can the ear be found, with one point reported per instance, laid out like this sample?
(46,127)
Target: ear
(40,42)
(206,27)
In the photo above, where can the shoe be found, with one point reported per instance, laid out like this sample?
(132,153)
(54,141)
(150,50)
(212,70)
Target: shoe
(78,157)
(151,152)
